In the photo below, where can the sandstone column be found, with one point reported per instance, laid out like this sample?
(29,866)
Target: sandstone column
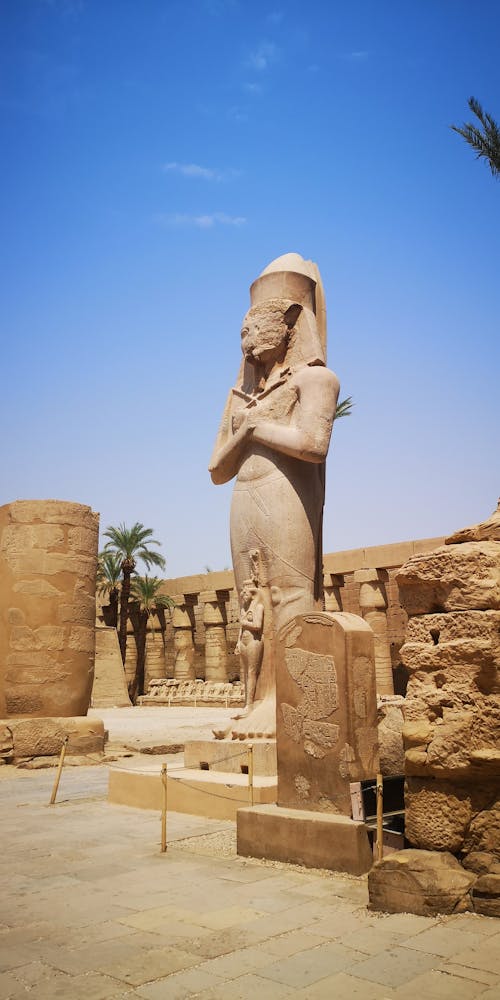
(48,562)
(215,638)
(373,603)
(183,641)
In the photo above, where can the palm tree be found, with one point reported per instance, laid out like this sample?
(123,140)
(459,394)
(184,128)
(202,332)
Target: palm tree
(130,544)
(148,600)
(486,142)
(344,408)
(109,572)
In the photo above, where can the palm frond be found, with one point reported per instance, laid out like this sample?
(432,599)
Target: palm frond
(109,570)
(146,590)
(344,408)
(485,142)
(133,543)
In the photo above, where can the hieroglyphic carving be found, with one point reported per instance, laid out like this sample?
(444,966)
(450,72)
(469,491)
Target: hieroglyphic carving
(302,785)
(316,676)
(347,757)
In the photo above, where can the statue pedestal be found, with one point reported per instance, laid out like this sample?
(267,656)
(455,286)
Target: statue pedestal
(304,837)
(326,738)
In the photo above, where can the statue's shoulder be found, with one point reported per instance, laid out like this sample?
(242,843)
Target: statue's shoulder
(317,375)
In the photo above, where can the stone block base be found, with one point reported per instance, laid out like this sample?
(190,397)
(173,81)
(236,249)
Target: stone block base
(422,882)
(312,839)
(232,756)
(43,737)
(216,795)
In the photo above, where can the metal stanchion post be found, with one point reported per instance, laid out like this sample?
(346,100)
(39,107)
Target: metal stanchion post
(59,770)
(163,808)
(380,817)
(250,773)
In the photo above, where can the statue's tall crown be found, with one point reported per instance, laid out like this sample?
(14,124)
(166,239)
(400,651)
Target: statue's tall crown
(291,277)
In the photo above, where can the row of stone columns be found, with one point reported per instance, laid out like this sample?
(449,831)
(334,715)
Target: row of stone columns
(215,639)
(373,604)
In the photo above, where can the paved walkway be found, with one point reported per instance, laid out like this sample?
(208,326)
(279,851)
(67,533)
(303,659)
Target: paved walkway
(91,909)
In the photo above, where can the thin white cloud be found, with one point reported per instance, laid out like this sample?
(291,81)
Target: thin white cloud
(196,171)
(205,221)
(237,115)
(357,55)
(275,16)
(262,57)
(253,88)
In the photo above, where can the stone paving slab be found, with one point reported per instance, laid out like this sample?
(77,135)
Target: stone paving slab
(91,909)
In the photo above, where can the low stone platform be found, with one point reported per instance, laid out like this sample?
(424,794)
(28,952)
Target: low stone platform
(304,837)
(232,756)
(21,739)
(214,794)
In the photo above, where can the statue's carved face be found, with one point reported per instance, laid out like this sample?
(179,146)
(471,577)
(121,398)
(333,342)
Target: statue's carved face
(247,592)
(264,334)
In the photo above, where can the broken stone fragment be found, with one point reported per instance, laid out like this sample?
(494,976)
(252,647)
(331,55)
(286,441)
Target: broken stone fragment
(422,882)
(486,895)
(462,577)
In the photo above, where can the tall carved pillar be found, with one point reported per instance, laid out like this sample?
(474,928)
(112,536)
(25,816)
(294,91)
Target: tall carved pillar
(373,603)
(48,561)
(215,638)
(331,587)
(183,641)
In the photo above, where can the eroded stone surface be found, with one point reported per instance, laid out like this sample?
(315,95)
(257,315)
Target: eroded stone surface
(422,882)
(452,710)
(486,895)
(452,578)
(48,559)
(390,735)
(327,711)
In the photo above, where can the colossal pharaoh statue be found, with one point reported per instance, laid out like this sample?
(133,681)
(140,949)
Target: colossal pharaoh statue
(274,438)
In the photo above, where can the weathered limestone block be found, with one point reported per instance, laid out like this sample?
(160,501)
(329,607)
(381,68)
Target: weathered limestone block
(390,734)
(483,834)
(486,895)
(452,578)
(482,863)
(485,531)
(465,642)
(423,882)
(48,561)
(44,737)
(6,744)
(327,710)
(443,815)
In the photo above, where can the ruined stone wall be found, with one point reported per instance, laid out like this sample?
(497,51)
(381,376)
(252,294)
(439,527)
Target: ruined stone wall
(48,562)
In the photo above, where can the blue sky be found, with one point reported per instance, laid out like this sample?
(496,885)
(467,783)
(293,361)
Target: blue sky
(156,156)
